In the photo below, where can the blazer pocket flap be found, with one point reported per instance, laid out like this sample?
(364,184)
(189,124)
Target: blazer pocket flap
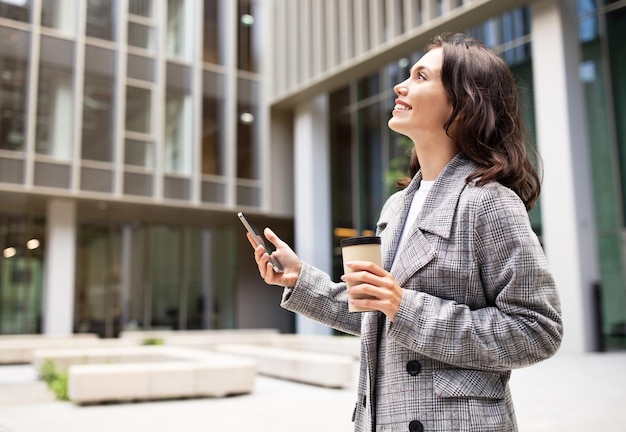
(468,383)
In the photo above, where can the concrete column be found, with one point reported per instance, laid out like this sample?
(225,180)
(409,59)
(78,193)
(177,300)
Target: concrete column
(60,261)
(312,201)
(566,199)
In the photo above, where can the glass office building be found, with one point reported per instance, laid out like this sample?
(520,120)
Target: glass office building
(130,135)
(132,131)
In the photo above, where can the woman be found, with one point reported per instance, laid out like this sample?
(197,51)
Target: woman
(465,294)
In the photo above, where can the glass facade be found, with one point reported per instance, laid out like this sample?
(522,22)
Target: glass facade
(133,276)
(601,32)
(109,114)
(153,109)
(367,158)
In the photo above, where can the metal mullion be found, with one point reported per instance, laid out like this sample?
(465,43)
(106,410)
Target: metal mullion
(331,32)
(409,15)
(32,94)
(318,39)
(345,32)
(394,23)
(429,11)
(229,145)
(278,78)
(157,113)
(361,44)
(264,69)
(120,99)
(196,100)
(79,89)
(294,71)
(375,24)
(306,41)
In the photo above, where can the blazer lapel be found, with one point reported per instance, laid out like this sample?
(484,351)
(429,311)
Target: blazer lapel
(436,217)
(392,221)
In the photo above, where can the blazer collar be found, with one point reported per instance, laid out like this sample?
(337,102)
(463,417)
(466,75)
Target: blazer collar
(438,210)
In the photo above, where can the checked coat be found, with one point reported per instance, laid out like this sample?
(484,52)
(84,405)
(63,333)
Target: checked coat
(478,301)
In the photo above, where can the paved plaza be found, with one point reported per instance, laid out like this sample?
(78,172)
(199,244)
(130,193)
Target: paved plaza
(566,393)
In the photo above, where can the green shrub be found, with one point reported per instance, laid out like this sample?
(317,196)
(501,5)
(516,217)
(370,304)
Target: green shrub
(152,341)
(56,381)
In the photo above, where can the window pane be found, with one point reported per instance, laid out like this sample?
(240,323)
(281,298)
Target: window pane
(141,36)
(249,36)
(139,153)
(212,103)
(140,7)
(18,10)
(100,19)
(140,67)
(138,109)
(55,104)
(179,30)
(13,90)
(98,107)
(211,50)
(178,124)
(247,129)
(59,15)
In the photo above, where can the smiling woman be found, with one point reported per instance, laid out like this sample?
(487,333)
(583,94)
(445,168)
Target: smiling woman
(449,312)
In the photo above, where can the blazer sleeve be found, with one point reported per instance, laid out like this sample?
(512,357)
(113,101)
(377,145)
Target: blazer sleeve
(317,297)
(520,323)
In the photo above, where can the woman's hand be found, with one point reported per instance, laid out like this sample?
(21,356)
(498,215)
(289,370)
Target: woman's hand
(370,279)
(283,253)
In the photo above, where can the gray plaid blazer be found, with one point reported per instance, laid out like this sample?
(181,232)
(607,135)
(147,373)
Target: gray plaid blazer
(478,301)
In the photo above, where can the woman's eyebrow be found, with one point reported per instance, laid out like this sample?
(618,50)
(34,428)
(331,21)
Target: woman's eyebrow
(419,68)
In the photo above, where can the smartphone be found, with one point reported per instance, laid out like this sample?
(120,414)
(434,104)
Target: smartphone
(260,240)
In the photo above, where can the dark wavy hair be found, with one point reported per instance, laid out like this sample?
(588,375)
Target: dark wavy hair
(486,121)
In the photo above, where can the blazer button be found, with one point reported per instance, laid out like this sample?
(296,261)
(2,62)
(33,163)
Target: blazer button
(413,367)
(416,426)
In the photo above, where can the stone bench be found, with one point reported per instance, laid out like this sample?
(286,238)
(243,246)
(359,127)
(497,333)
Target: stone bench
(323,369)
(346,345)
(149,372)
(20,348)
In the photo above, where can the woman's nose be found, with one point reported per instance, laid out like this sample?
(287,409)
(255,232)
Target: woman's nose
(400,89)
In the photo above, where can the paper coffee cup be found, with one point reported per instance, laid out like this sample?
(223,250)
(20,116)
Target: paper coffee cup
(360,249)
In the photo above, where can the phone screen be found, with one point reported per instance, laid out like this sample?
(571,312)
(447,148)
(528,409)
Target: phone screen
(260,240)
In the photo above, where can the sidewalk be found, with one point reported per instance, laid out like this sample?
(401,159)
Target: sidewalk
(565,393)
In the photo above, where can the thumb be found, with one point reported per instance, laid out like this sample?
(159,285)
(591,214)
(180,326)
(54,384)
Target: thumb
(273,238)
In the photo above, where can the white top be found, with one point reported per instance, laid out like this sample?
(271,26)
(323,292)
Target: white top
(414,210)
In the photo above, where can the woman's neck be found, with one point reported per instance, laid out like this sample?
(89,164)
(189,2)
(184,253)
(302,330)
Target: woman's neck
(434,159)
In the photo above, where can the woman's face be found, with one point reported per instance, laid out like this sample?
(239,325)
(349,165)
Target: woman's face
(422,106)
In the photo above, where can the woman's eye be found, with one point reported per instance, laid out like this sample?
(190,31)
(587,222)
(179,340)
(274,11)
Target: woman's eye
(421,76)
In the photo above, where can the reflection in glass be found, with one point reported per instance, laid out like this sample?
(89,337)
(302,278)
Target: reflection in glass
(140,67)
(138,109)
(178,119)
(17,10)
(212,52)
(21,267)
(212,103)
(97,133)
(249,36)
(247,129)
(180,42)
(139,153)
(98,280)
(140,7)
(100,19)
(59,15)
(177,131)
(13,88)
(55,103)
(141,36)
